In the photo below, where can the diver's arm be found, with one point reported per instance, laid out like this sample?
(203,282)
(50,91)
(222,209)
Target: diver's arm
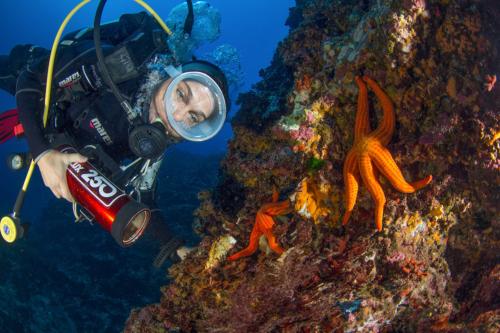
(114,32)
(29,99)
(171,246)
(52,164)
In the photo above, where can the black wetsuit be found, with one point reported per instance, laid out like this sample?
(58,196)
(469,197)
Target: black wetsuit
(87,109)
(83,107)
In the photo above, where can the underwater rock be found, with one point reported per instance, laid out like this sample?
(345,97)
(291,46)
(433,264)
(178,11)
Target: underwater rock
(266,102)
(434,266)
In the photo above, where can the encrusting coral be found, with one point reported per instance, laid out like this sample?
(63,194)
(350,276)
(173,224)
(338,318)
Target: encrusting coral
(311,200)
(218,251)
(434,267)
(369,155)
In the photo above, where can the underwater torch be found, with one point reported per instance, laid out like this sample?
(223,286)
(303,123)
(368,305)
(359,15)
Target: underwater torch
(116,212)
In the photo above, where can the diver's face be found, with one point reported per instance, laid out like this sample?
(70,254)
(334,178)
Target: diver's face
(192,104)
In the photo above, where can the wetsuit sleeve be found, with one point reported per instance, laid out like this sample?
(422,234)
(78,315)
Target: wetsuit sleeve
(29,99)
(129,23)
(12,64)
(116,32)
(7,78)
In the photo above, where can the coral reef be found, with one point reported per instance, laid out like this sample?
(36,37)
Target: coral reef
(434,267)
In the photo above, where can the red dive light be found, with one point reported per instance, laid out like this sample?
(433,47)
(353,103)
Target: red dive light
(116,212)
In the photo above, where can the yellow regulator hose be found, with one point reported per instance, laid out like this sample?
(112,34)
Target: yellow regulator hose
(49,81)
(155,15)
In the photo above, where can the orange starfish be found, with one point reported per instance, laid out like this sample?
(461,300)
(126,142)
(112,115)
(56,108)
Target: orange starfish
(263,226)
(369,151)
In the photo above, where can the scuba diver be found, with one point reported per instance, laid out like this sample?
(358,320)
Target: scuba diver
(120,99)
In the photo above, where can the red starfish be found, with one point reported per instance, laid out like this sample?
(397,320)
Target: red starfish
(263,226)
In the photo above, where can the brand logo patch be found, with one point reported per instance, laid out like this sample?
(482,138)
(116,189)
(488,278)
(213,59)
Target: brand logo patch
(70,80)
(95,184)
(104,188)
(96,124)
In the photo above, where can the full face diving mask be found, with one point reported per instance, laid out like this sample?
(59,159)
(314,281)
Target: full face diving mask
(195,104)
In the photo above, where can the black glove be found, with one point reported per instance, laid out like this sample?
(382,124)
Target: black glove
(168,251)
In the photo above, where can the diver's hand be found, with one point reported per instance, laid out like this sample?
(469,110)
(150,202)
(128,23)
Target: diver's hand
(183,251)
(53,165)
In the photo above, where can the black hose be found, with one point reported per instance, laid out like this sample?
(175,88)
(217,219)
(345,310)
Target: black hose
(188,23)
(102,65)
(19,202)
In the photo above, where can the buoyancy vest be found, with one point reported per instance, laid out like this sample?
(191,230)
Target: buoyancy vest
(84,106)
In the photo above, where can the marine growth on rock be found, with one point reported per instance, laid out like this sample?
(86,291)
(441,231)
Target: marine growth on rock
(434,266)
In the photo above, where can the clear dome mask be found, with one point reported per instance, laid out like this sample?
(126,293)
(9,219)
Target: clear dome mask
(195,106)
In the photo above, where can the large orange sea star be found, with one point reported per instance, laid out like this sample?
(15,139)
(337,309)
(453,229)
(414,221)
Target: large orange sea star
(369,150)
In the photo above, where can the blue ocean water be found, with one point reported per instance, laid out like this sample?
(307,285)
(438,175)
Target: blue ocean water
(72,278)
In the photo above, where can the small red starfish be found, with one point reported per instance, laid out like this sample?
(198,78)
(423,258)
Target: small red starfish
(264,226)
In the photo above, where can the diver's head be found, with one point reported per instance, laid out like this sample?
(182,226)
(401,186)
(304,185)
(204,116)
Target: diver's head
(192,103)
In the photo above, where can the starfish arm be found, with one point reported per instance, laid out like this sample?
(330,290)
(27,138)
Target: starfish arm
(351,184)
(421,183)
(252,246)
(362,124)
(384,162)
(273,243)
(278,208)
(264,221)
(386,128)
(371,183)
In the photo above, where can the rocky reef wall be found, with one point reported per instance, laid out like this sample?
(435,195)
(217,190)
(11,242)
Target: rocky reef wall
(434,266)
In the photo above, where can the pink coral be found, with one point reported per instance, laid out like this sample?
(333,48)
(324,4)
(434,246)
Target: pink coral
(395,257)
(310,117)
(302,134)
